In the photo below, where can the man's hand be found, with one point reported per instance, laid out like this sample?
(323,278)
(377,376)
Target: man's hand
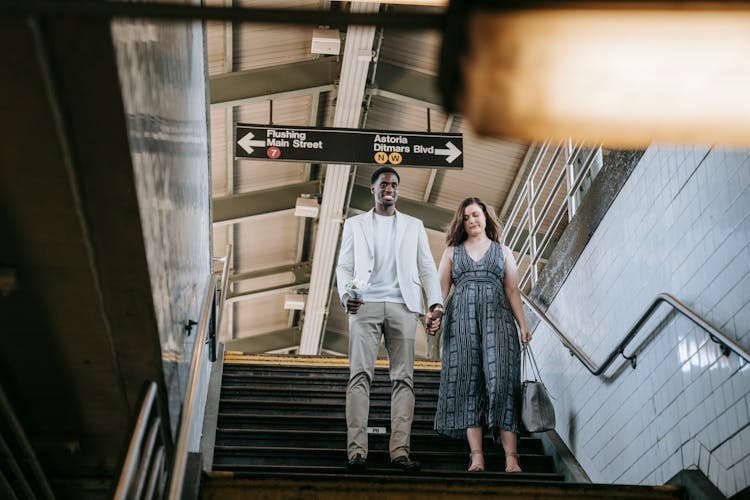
(352,304)
(434,318)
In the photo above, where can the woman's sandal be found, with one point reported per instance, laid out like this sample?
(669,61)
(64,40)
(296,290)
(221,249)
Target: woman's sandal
(476,464)
(512,468)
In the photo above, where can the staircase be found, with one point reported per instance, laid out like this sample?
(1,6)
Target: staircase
(281,433)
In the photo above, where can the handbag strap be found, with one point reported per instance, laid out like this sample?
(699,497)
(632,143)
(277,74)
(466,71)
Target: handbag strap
(528,353)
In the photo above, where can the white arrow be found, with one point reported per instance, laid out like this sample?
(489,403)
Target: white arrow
(247,143)
(451,153)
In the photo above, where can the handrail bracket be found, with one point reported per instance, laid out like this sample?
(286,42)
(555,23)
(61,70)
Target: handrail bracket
(725,350)
(633,359)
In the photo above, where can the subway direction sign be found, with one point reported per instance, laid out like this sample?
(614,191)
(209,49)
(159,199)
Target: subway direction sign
(348,146)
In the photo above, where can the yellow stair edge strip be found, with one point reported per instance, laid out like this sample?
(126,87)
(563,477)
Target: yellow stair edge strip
(239,358)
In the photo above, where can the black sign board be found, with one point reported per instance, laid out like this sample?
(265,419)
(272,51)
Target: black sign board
(348,146)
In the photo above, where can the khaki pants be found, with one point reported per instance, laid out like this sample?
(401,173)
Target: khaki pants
(399,326)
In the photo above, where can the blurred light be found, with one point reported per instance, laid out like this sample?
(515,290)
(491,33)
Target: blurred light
(623,75)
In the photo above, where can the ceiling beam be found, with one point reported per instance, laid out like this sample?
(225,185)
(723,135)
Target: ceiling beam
(234,208)
(407,85)
(284,80)
(264,292)
(301,271)
(264,342)
(301,279)
(310,77)
(354,70)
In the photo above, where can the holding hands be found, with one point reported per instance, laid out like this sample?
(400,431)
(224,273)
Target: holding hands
(434,318)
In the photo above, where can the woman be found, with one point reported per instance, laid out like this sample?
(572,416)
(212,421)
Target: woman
(480,380)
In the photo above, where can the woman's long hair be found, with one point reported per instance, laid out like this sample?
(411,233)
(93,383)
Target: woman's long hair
(456,233)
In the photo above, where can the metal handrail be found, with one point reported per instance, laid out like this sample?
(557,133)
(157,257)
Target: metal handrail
(136,452)
(524,212)
(181,449)
(198,381)
(224,287)
(726,344)
(145,466)
(28,457)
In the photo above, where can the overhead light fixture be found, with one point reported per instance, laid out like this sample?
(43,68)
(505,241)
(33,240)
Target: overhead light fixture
(627,73)
(326,42)
(423,3)
(294,301)
(306,207)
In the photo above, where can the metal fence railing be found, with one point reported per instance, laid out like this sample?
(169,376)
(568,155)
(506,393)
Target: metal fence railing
(558,177)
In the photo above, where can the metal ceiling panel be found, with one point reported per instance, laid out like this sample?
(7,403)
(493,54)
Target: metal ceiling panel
(490,166)
(259,45)
(263,282)
(391,114)
(416,50)
(218,152)
(261,315)
(267,241)
(215,46)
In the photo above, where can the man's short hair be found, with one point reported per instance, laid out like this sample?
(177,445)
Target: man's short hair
(383,170)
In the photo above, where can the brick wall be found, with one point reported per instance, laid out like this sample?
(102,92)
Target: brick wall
(681,224)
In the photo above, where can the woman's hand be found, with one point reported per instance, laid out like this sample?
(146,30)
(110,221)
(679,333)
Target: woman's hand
(434,318)
(525,336)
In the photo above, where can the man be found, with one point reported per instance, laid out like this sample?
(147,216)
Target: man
(388,250)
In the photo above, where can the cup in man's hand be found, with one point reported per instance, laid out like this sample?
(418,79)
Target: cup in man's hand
(353,302)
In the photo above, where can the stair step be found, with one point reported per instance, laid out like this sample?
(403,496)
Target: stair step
(315,387)
(340,471)
(339,382)
(310,422)
(307,402)
(420,440)
(233,374)
(313,371)
(326,484)
(234,455)
(313,406)
(282,434)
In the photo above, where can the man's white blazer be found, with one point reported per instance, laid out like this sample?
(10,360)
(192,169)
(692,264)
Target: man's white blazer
(414,263)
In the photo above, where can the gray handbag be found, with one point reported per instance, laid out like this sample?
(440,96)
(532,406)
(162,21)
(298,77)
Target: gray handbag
(537,412)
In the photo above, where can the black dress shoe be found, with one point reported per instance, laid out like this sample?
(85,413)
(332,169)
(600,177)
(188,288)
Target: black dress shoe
(356,463)
(406,464)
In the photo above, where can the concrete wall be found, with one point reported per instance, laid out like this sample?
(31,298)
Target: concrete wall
(680,224)
(162,74)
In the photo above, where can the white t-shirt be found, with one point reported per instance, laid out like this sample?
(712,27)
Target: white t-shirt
(384,278)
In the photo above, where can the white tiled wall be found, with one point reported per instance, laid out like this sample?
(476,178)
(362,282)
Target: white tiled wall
(681,224)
